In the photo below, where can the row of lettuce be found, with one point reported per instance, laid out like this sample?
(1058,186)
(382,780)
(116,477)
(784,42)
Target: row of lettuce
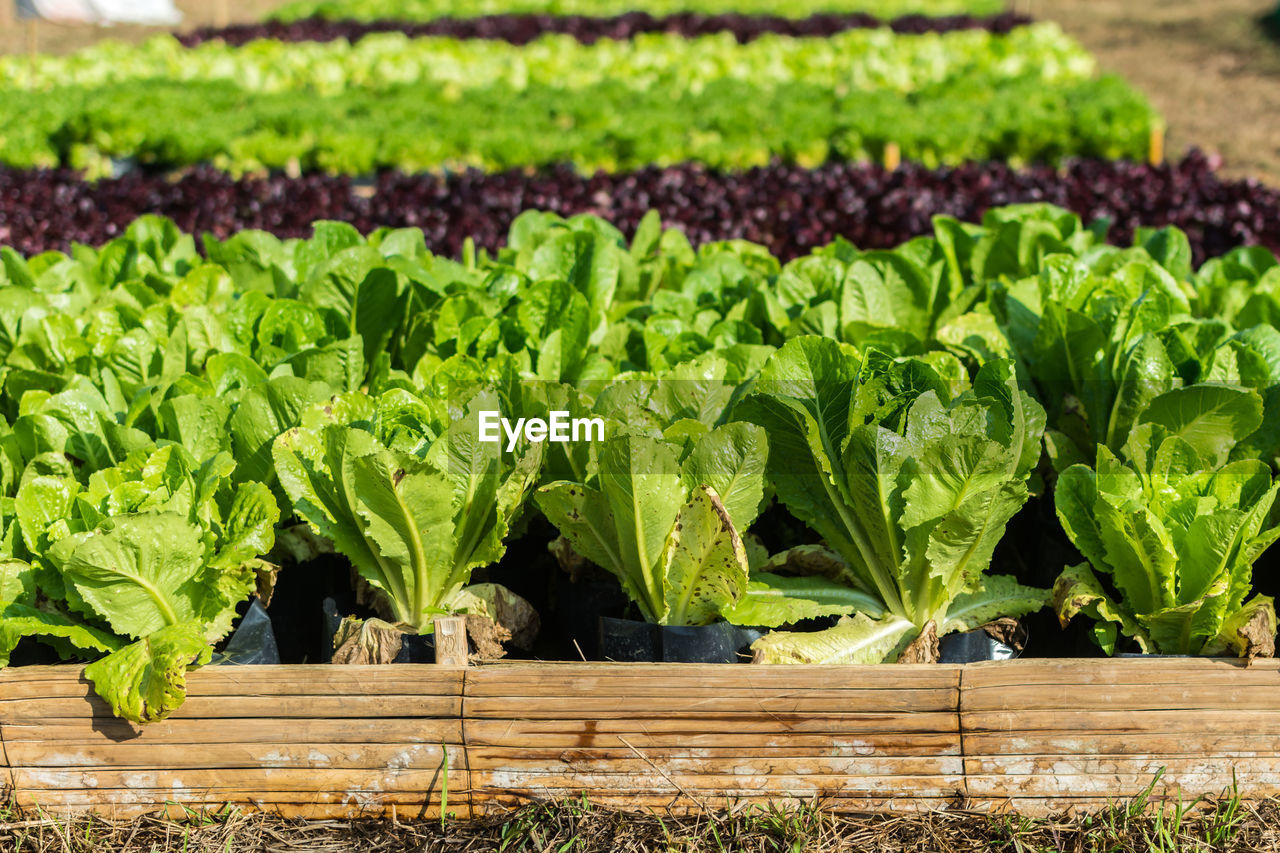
(428,10)
(863,60)
(166,412)
(788,209)
(523,29)
(389,101)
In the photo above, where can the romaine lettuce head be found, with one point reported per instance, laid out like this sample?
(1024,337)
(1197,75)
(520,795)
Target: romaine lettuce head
(1170,537)
(910,474)
(406,489)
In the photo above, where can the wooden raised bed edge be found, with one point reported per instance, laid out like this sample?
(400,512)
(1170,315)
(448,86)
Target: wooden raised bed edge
(1037,736)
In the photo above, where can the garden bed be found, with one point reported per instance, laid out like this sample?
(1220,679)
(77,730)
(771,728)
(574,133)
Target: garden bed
(1038,736)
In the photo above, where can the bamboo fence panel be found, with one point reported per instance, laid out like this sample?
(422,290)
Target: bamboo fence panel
(685,737)
(1037,736)
(313,741)
(1044,736)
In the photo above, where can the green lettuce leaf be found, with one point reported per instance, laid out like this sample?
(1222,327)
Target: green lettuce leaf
(147,681)
(772,601)
(855,640)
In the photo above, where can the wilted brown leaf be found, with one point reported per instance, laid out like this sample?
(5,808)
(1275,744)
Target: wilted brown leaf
(370,641)
(924,648)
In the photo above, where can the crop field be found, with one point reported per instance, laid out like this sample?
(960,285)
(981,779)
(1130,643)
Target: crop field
(844,333)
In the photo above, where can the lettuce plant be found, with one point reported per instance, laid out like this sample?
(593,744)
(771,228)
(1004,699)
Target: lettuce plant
(1241,286)
(1107,334)
(910,477)
(665,518)
(1170,535)
(1096,339)
(146,562)
(703,478)
(406,490)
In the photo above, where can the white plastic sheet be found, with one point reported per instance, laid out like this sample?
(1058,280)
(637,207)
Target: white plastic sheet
(105,12)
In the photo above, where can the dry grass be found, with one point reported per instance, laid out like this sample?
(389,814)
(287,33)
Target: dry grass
(1222,825)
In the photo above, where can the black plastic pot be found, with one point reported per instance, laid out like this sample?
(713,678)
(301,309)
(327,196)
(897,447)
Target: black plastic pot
(581,605)
(254,640)
(332,620)
(973,646)
(307,607)
(417,648)
(630,641)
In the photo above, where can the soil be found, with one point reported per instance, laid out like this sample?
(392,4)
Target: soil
(1208,65)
